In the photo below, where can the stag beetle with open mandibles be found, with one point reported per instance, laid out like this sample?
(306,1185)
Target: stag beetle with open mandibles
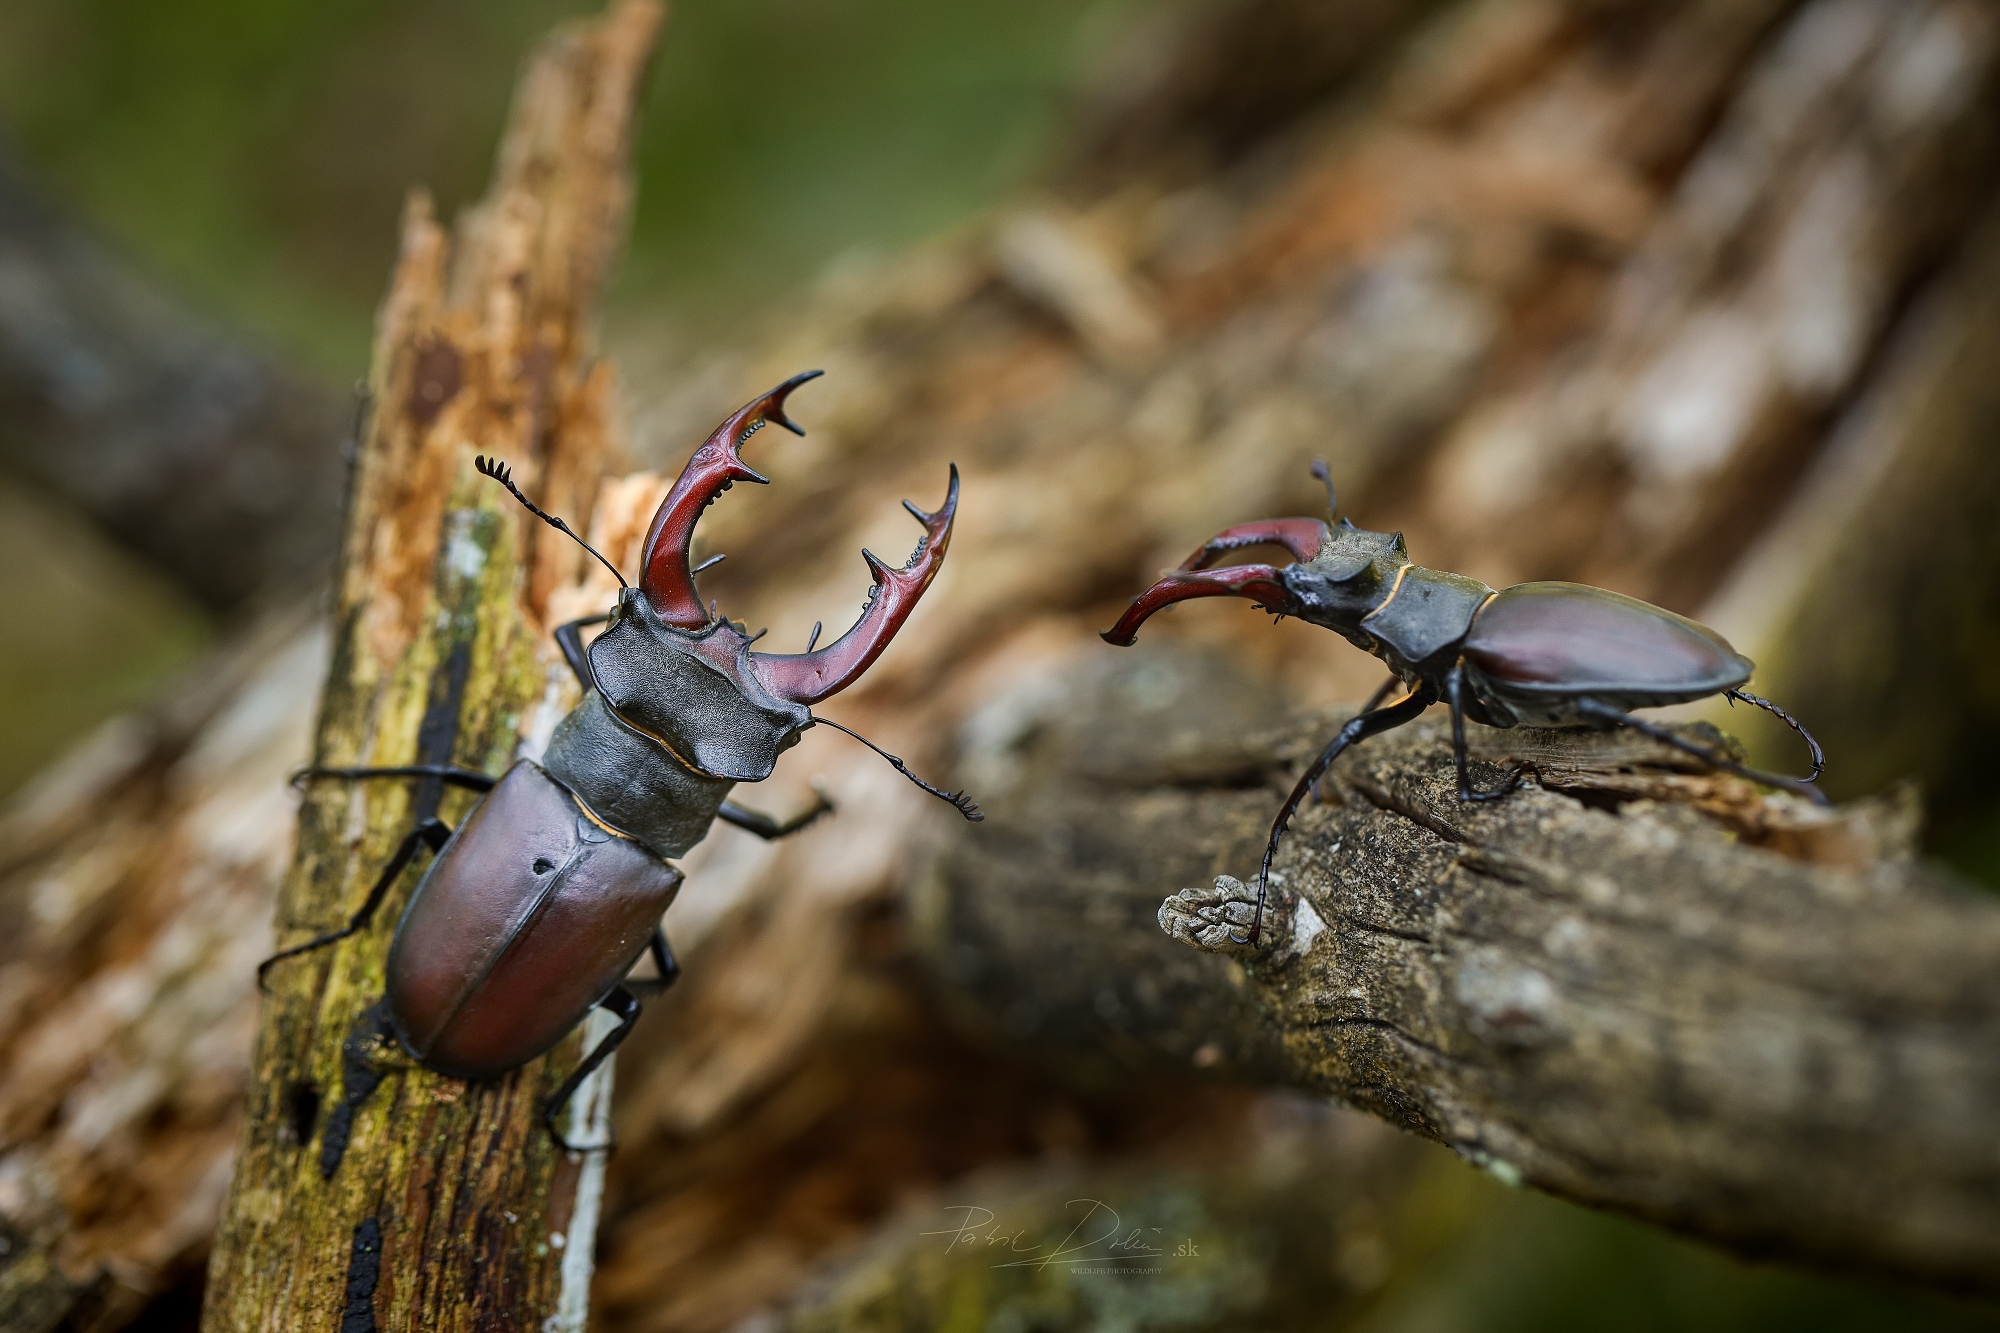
(1547,654)
(552,887)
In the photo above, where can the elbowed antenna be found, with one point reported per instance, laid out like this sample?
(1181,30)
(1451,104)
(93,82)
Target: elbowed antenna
(956,799)
(1325,475)
(503,474)
(809,677)
(664,575)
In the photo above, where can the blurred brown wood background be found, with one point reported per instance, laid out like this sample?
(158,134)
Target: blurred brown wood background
(1695,300)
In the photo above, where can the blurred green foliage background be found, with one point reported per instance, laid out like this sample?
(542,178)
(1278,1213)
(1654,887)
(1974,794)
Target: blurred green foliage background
(255,152)
(253,155)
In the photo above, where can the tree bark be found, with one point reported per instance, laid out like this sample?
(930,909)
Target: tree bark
(1639,986)
(425,1202)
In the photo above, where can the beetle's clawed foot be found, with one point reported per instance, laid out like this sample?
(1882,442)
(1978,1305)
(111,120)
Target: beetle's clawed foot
(1818,755)
(1515,777)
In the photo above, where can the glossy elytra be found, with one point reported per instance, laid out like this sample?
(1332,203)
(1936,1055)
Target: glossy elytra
(1546,654)
(551,889)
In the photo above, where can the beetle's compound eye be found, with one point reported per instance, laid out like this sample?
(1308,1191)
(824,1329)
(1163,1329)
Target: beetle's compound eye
(543,865)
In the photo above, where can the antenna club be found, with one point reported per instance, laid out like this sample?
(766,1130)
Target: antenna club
(500,472)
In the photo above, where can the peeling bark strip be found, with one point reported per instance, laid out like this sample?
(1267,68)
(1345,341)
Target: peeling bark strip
(428,1203)
(1595,989)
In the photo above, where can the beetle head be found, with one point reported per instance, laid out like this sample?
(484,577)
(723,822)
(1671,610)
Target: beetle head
(693,691)
(1340,575)
(668,666)
(1348,577)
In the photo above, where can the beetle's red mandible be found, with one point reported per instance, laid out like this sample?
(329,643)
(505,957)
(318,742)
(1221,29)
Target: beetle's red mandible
(665,577)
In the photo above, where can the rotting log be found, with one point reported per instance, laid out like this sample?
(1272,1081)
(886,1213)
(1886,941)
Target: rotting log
(369,1192)
(1641,987)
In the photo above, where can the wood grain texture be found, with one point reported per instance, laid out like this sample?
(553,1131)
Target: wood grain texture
(368,1192)
(1603,989)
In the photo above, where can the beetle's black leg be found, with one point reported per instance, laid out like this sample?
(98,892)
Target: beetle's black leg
(1590,707)
(432,833)
(767,828)
(1454,693)
(1382,691)
(621,1003)
(1357,730)
(663,959)
(470,779)
(569,638)
(1818,758)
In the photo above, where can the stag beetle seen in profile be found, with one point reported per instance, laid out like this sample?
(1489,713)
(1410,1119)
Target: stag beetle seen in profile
(1547,654)
(551,888)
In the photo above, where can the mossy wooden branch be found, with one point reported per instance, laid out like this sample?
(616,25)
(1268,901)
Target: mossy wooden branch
(370,1192)
(1603,989)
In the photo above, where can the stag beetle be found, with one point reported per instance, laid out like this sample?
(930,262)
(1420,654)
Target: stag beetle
(1546,654)
(542,900)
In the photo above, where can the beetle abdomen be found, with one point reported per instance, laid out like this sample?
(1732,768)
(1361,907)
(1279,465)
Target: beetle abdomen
(1536,645)
(527,918)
